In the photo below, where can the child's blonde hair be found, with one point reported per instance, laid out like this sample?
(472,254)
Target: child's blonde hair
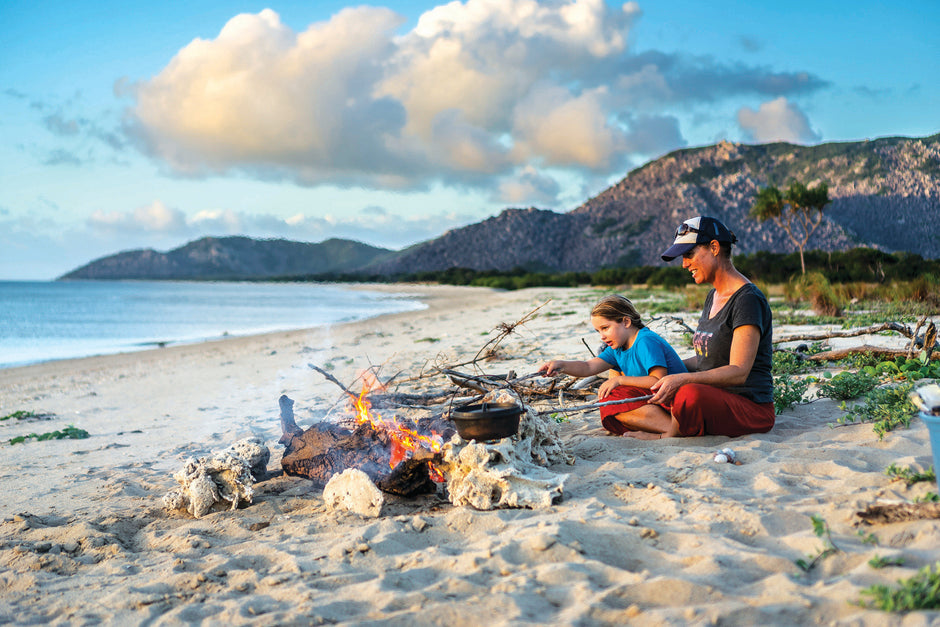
(617,308)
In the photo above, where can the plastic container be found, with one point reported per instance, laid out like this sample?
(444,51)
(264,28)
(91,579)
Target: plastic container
(933,426)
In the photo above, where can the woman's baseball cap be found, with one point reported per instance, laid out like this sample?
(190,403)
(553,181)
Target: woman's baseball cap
(698,230)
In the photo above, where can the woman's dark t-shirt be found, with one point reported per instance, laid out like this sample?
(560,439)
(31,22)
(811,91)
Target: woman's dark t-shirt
(712,340)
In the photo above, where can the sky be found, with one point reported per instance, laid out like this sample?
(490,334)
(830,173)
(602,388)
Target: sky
(147,125)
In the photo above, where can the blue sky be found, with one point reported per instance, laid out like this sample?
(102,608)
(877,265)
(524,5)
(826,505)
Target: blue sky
(128,125)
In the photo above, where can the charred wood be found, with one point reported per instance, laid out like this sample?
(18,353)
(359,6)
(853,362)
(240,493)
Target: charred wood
(325,449)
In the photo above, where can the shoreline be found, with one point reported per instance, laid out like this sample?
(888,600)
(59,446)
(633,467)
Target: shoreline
(647,532)
(162,343)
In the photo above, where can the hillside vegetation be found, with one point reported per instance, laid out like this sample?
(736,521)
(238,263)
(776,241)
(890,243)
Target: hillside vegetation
(885,196)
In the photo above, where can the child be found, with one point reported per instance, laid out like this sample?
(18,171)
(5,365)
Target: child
(642,356)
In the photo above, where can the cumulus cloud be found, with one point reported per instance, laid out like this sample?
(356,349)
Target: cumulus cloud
(652,134)
(153,218)
(478,91)
(529,186)
(776,120)
(372,224)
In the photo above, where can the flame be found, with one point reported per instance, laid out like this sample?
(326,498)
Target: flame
(404,440)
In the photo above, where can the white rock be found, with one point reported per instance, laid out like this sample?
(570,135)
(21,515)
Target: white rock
(353,491)
(489,476)
(223,476)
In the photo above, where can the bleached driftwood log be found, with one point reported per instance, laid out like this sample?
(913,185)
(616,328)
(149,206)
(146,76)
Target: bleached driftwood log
(223,477)
(928,339)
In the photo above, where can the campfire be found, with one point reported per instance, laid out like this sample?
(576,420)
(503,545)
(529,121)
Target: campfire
(409,444)
(405,442)
(397,457)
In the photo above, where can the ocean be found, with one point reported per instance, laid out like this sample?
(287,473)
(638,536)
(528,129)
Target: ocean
(48,320)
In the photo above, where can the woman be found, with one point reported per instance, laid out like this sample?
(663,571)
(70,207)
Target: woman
(729,387)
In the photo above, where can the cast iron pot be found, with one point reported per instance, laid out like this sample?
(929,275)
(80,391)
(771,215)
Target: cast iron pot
(487,421)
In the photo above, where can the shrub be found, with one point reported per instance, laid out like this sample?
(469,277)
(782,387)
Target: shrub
(789,391)
(846,385)
(789,362)
(669,276)
(815,289)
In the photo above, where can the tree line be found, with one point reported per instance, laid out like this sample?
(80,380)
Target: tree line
(856,265)
(797,210)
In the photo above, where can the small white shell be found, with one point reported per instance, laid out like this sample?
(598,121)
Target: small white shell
(726,456)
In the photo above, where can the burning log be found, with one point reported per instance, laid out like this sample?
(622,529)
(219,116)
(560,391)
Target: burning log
(326,449)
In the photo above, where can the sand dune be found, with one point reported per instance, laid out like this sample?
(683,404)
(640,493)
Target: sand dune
(652,533)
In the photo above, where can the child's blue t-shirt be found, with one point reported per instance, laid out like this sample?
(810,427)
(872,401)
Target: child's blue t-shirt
(649,350)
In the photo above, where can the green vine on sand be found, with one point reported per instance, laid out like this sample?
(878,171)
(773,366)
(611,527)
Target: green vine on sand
(909,475)
(887,408)
(69,432)
(882,562)
(821,529)
(847,385)
(20,414)
(920,592)
(789,391)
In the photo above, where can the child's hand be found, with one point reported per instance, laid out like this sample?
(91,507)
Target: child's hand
(553,367)
(607,386)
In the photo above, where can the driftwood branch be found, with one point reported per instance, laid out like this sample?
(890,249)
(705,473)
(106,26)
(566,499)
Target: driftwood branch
(842,353)
(675,319)
(910,347)
(899,512)
(505,329)
(331,378)
(928,341)
(583,341)
(590,406)
(825,335)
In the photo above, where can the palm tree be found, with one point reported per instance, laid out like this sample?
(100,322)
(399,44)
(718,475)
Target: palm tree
(793,210)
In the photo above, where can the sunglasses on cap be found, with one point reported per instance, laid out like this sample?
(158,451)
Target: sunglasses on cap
(685,229)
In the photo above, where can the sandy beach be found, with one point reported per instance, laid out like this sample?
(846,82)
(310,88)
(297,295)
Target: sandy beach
(649,533)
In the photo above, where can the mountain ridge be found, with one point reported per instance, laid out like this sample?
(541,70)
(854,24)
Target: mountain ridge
(233,258)
(885,194)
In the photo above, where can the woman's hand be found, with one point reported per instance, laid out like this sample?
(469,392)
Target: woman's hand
(665,389)
(607,386)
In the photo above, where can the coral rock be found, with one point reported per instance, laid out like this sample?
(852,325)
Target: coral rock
(353,490)
(225,477)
